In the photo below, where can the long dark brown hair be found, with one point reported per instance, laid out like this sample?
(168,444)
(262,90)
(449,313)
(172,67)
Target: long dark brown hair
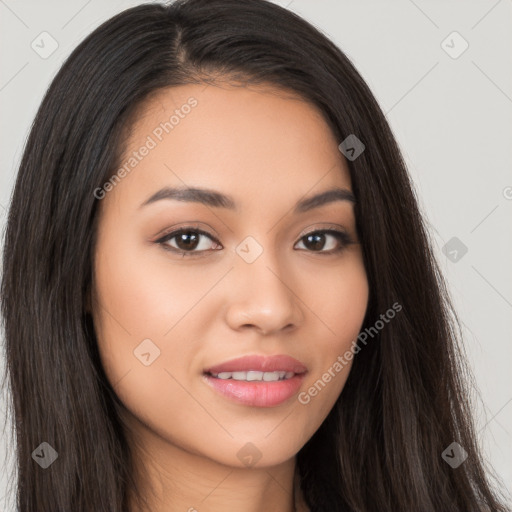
(406,399)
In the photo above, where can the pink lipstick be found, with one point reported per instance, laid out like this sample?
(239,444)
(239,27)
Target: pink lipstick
(258,381)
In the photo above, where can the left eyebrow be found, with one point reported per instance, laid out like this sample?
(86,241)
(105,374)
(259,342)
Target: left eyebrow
(328,196)
(217,199)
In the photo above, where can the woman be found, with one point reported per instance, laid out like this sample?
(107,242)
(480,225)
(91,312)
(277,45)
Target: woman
(218,291)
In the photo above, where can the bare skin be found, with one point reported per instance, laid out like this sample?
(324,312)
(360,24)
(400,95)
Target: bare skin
(298,297)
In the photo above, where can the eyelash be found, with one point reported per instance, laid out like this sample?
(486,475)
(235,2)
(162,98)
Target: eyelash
(343,238)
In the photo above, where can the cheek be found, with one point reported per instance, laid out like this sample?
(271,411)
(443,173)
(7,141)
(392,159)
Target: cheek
(339,300)
(341,308)
(141,291)
(137,307)
(144,338)
(150,318)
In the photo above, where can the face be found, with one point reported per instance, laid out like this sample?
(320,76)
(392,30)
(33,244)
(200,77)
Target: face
(185,283)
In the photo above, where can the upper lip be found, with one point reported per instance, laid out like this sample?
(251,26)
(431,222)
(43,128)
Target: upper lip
(259,363)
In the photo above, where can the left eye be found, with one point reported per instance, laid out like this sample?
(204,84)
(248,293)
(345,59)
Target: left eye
(189,241)
(317,238)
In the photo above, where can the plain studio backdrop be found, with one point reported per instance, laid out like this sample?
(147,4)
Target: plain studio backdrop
(442,73)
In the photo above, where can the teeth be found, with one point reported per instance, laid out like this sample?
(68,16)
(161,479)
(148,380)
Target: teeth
(254,375)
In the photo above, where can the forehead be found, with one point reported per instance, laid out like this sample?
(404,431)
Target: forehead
(253,143)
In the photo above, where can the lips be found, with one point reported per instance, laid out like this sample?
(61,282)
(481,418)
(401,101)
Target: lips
(279,363)
(257,381)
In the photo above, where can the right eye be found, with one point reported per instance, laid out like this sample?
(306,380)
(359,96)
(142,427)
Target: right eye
(188,240)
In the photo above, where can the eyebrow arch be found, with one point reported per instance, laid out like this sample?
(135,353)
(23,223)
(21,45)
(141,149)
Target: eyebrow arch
(216,199)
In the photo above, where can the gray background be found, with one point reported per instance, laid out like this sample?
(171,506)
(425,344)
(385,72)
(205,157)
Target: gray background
(452,117)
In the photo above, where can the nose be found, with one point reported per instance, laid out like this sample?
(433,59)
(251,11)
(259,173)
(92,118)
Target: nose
(263,296)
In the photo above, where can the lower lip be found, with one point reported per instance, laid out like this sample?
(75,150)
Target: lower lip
(257,393)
